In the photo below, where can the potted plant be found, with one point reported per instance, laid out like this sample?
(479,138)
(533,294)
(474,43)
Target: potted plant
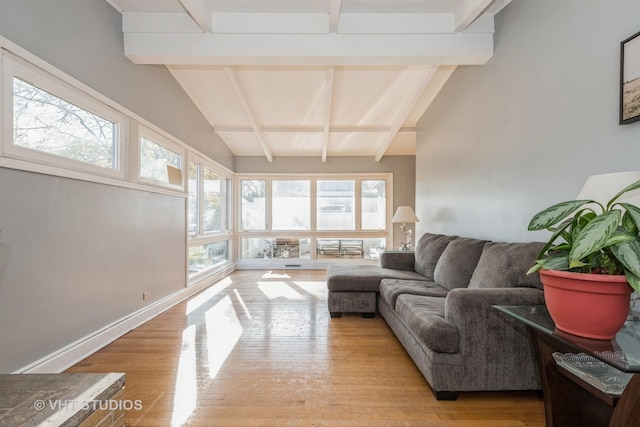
(590,264)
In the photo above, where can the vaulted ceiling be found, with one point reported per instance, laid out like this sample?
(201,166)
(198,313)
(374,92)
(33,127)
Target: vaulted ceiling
(311,77)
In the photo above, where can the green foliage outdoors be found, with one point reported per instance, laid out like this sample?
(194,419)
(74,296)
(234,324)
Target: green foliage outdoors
(605,240)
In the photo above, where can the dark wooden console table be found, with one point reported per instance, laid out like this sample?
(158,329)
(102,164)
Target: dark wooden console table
(568,399)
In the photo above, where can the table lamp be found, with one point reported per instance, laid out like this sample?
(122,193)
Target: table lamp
(405,215)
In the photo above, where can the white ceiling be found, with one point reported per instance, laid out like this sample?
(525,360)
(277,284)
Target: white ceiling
(311,77)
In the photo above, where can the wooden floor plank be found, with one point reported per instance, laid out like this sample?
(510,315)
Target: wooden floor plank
(259,349)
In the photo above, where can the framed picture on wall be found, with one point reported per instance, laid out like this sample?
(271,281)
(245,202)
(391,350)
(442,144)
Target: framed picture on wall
(630,80)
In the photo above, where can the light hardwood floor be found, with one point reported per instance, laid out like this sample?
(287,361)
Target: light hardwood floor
(259,349)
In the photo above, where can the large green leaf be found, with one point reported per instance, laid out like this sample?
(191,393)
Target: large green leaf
(633,211)
(595,235)
(633,280)
(618,237)
(550,216)
(630,187)
(559,231)
(553,262)
(628,253)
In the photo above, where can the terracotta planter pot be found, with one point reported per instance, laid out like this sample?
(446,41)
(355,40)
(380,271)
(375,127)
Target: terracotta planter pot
(588,305)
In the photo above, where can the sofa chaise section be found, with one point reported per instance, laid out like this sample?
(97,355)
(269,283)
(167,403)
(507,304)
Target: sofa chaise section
(439,303)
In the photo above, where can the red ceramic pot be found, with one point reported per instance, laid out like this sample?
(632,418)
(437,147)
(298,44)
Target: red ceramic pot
(588,305)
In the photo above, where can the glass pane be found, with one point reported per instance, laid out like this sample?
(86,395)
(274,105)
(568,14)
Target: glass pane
(212,203)
(374,204)
(205,257)
(336,205)
(229,202)
(349,248)
(291,205)
(279,248)
(154,159)
(194,198)
(44,122)
(254,211)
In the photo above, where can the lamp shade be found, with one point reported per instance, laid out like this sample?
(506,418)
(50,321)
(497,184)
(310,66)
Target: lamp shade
(602,188)
(405,214)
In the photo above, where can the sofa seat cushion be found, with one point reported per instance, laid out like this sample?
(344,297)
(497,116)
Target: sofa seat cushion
(457,263)
(424,317)
(505,265)
(428,251)
(363,278)
(391,289)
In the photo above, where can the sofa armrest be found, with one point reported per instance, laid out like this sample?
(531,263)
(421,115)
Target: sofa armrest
(496,346)
(398,260)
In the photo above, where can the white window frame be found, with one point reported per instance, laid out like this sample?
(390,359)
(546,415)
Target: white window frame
(16,67)
(155,137)
(313,233)
(201,237)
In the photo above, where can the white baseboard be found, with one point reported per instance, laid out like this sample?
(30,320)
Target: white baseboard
(71,354)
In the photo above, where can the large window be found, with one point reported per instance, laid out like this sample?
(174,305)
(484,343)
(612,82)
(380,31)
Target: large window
(336,202)
(159,163)
(253,197)
(374,204)
(291,207)
(48,121)
(313,217)
(209,216)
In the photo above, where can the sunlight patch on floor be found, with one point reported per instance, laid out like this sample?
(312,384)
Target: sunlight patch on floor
(186,390)
(317,289)
(223,333)
(273,290)
(202,298)
(272,275)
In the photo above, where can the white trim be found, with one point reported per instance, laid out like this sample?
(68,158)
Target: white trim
(82,88)
(28,166)
(78,350)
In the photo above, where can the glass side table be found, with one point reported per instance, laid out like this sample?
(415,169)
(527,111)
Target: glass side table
(568,399)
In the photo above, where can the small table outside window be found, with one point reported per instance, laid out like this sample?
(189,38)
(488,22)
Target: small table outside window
(568,399)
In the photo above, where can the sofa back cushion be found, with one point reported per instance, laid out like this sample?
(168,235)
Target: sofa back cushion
(457,263)
(505,265)
(428,251)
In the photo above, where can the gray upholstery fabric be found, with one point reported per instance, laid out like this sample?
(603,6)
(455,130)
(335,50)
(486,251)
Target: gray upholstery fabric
(363,278)
(424,316)
(352,302)
(428,250)
(390,289)
(505,265)
(456,264)
(398,260)
(496,348)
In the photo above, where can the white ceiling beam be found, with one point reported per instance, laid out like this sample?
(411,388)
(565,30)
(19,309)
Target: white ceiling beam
(396,23)
(469,11)
(200,11)
(309,49)
(420,85)
(248,111)
(334,15)
(141,22)
(270,23)
(328,100)
(312,129)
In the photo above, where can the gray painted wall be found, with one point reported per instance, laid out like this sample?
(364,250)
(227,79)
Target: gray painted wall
(84,39)
(76,256)
(402,167)
(504,140)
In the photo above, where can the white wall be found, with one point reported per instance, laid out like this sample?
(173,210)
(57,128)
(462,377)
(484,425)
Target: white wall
(504,140)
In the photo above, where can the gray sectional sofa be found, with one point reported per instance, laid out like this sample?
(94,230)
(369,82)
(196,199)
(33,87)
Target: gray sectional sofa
(438,301)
